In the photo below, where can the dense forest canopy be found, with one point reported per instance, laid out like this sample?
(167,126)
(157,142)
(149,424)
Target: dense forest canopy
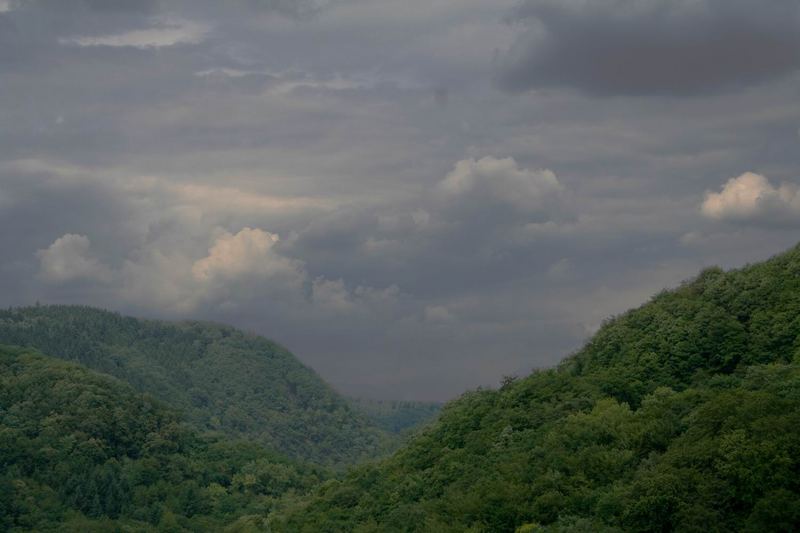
(683,414)
(81,451)
(219,377)
(397,416)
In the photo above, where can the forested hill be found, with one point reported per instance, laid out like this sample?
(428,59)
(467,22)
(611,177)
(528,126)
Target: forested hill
(82,451)
(397,416)
(683,414)
(219,377)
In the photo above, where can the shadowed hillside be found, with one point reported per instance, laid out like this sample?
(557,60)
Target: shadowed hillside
(219,377)
(81,451)
(397,416)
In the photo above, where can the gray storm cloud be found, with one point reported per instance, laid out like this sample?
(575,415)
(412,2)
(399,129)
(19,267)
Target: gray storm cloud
(662,47)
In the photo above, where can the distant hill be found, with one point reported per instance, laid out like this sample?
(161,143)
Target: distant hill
(81,451)
(219,377)
(397,416)
(681,415)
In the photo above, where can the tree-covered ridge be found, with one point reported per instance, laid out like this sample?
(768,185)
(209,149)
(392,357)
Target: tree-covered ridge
(397,416)
(681,415)
(717,323)
(81,451)
(219,377)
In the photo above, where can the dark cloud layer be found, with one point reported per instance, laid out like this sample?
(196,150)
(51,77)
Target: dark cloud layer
(663,47)
(346,178)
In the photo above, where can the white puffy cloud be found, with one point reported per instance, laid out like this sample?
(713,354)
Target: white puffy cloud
(500,185)
(69,258)
(246,255)
(751,197)
(239,270)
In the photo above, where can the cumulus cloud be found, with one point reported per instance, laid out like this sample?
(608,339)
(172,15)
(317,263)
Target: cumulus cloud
(240,270)
(237,269)
(751,197)
(246,255)
(498,187)
(68,259)
(651,46)
(469,223)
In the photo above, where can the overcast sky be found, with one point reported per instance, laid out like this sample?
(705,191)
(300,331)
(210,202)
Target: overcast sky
(417,197)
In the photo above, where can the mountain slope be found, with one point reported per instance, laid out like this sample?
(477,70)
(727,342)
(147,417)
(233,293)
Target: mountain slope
(397,416)
(81,451)
(683,415)
(219,377)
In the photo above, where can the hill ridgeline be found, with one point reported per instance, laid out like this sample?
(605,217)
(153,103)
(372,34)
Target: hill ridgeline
(220,378)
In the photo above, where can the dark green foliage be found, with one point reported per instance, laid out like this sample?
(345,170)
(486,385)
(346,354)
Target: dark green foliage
(219,377)
(80,451)
(397,416)
(681,415)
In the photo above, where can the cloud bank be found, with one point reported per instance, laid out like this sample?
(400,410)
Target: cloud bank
(651,47)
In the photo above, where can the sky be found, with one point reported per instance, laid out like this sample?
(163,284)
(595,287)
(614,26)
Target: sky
(417,197)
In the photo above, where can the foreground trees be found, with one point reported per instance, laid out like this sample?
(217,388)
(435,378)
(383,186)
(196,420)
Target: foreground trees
(81,451)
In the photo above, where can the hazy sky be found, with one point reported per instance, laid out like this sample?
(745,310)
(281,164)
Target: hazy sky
(415,196)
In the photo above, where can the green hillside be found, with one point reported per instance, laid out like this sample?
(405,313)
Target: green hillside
(683,414)
(81,451)
(219,377)
(397,416)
